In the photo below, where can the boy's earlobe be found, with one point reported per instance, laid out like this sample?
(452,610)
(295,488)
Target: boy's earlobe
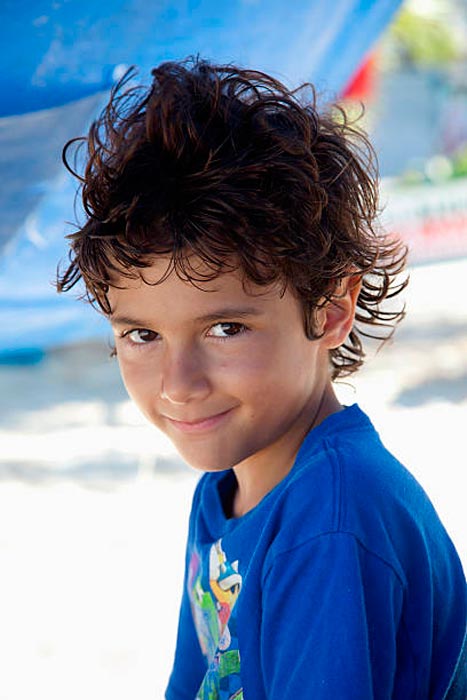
(340,311)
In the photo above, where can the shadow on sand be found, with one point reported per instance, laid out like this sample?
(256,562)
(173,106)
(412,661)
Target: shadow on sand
(433,389)
(80,373)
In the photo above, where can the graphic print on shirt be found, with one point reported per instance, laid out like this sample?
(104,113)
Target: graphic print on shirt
(214,585)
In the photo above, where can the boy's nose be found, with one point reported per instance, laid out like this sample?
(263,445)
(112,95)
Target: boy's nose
(184,378)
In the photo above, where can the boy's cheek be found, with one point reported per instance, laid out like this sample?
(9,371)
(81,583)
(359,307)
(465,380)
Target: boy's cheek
(139,383)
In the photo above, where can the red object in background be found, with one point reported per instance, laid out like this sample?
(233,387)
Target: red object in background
(362,83)
(430,218)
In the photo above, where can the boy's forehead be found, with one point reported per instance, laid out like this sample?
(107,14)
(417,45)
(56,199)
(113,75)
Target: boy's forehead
(169,288)
(197,276)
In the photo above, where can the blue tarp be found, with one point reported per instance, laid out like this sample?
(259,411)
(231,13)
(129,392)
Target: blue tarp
(59,58)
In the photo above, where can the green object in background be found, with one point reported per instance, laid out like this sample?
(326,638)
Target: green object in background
(459,163)
(421,41)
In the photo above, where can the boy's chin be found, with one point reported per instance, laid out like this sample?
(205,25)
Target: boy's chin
(218,456)
(206,466)
(205,463)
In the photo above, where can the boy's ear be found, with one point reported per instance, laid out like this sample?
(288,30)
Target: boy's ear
(337,316)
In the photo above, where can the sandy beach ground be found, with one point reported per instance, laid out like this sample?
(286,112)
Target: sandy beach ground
(94,502)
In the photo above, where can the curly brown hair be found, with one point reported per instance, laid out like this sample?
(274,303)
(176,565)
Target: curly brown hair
(229,164)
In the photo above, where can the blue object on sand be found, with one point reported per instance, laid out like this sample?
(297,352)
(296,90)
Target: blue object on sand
(59,60)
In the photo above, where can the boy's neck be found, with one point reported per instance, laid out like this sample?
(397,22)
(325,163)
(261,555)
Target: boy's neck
(260,473)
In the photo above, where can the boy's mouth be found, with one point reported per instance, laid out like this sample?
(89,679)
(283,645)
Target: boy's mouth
(199,424)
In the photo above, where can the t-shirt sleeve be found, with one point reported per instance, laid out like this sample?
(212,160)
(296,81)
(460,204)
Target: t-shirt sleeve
(330,618)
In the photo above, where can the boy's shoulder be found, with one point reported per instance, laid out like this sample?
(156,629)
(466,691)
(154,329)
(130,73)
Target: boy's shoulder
(346,457)
(345,481)
(342,466)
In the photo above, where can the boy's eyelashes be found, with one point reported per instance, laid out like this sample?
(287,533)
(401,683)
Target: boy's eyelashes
(221,330)
(227,329)
(139,336)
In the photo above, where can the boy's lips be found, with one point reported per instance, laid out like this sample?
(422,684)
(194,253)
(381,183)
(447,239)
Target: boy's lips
(199,424)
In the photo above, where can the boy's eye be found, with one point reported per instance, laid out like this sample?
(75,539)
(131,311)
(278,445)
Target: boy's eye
(140,335)
(226,330)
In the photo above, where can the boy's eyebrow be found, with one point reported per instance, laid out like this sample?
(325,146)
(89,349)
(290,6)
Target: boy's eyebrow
(218,315)
(229,312)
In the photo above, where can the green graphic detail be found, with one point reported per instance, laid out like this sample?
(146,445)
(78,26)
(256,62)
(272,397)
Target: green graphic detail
(212,607)
(229,663)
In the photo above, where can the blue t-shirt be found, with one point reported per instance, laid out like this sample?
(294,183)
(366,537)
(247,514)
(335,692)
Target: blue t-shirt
(342,583)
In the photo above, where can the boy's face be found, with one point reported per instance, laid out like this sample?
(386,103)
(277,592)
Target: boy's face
(228,374)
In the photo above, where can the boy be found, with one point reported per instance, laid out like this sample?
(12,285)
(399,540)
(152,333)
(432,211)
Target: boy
(231,242)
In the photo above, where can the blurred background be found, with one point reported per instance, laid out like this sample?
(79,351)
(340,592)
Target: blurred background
(93,501)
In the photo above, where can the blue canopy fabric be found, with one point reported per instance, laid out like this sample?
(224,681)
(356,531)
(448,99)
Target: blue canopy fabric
(60,57)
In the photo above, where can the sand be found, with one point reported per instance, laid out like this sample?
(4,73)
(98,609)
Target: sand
(94,502)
